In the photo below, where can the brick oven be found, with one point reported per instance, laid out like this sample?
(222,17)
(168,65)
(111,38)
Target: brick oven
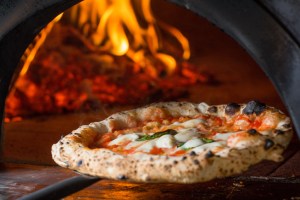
(212,51)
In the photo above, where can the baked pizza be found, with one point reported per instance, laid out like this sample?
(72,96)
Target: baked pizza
(176,142)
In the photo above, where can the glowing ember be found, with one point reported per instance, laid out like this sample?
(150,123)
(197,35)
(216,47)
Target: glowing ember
(102,52)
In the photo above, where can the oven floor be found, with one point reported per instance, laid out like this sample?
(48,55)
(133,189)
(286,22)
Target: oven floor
(267,180)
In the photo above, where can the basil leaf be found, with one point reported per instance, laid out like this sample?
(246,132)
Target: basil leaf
(188,148)
(206,140)
(179,144)
(157,135)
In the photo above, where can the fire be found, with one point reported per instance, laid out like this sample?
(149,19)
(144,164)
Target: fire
(31,51)
(108,51)
(115,28)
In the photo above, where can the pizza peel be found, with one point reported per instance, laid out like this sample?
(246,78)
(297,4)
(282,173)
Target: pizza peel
(62,188)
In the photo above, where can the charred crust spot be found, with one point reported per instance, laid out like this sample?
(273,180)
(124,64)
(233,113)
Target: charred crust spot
(252,131)
(151,159)
(279,132)
(192,153)
(122,177)
(232,108)
(79,163)
(259,108)
(88,164)
(209,154)
(175,162)
(184,158)
(249,109)
(196,162)
(61,148)
(254,107)
(268,144)
(61,143)
(67,142)
(212,109)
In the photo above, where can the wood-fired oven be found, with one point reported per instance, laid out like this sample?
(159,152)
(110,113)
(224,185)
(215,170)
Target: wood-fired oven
(225,51)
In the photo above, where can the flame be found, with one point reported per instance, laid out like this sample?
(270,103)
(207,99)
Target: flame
(31,51)
(114,26)
(116,31)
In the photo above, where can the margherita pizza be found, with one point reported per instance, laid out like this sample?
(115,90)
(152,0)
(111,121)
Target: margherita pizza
(176,142)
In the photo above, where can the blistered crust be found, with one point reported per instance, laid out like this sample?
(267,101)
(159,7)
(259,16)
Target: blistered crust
(74,152)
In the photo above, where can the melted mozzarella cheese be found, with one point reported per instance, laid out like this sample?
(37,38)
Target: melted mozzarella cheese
(123,138)
(192,143)
(207,146)
(147,146)
(203,107)
(187,133)
(165,141)
(184,135)
(133,144)
(224,136)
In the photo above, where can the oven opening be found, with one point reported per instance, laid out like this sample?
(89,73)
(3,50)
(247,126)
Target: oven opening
(101,57)
(98,58)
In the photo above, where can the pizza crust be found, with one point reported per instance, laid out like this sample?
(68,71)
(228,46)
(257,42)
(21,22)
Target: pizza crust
(74,150)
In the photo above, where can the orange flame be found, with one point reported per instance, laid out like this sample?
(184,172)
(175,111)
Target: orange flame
(125,29)
(31,51)
(114,26)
